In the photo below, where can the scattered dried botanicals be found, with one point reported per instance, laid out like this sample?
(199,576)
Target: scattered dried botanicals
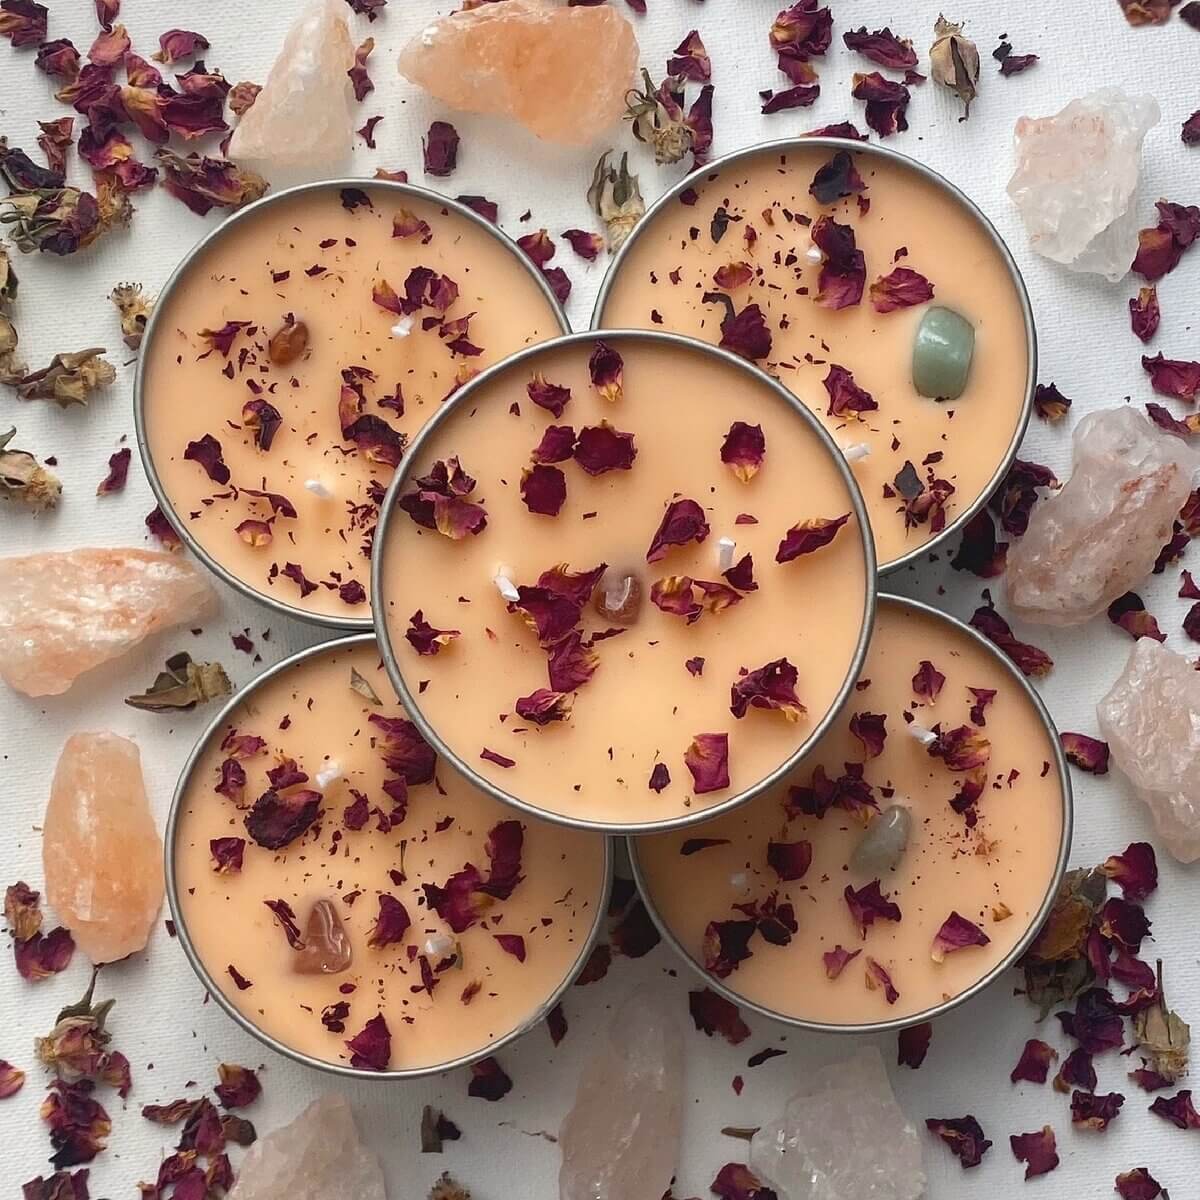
(1010,63)
(204,183)
(1190,133)
(1029,658)
(1056,966)
(1034,1063)
(714,1014)
(23,479)
(135,308)
(912,1044)
(1177,378)
(76,1049)
(691,60)
(1162,1036)
(886,100)
(1037,1151)
(182,686)
(980,552)
(436,1128)
(62,220)
(882,47)
(1160,248)
(1129,612)
(118,473)
(37,955)
(954,62)
(963,1136)
(441,149)
(616,199)
(1138,1184)
(69,379)
(1144,314)
(359,78)
(1147,12)
(657,118)
(489,1081)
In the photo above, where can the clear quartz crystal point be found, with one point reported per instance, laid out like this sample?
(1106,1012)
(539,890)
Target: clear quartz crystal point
(302,120)
(620,1141)
(1151,721)
(1076,180)
(318,1156)
(841,1137)
(1099,537)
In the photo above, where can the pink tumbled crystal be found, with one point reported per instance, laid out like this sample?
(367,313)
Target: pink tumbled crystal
(1099,537)
(100,849)
(562,72)
(63,613)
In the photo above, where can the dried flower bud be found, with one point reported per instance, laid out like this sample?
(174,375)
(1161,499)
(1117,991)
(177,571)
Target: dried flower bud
(11,371)
(69,379)
(24,479)
(135,310)
(182,686)
(657,116)
(204,183)
(616,199)
(954,62)
(8,279)
(288,342)
(1162,1035)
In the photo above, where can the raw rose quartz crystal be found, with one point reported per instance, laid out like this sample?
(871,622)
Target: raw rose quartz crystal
(562,72)
(62,614)
(101,852)
(620,1141)
(1076,179)
(316,1157)
(302,118)
(841,1137)
(1151,720)
(1098,538)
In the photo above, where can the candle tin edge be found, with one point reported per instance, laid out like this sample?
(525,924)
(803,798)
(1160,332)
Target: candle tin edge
(463,397)
(1023,943)
(170,837)
(783,146)
(176,278)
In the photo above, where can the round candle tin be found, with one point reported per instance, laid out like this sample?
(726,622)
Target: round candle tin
(667,876)
(181,284)
(209,971)
(680,205)
(411,673)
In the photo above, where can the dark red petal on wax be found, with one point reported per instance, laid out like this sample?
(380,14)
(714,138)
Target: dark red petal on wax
(391,924)
(741,576)
(660,777)
(963,748)
(772,686)
(878,977)
(544,706)
(277,820)
(844,272)
(1034,1064)
(808,536)
(928,681)
(1029,659)
(1087,753)
(602,448)
(572,662)
(836,180)
(607,371)
(871,731)
(727,945)
(789,860)
(371,1048)
(743,449)
(682,522)
(511,943)
(902,288)
(982,697)
(405,752)
(1037,1151)
(837,959)
(869,904)
(227,853)
(207,452)
(707,759)
(557,444)
(543,489)
(846,399)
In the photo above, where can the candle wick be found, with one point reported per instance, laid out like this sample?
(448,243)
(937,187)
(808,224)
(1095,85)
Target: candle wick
(327,774)
(925,736)
(814,254)
(725,550)
(856,451)
(505,586)
(318,489)
(403,327)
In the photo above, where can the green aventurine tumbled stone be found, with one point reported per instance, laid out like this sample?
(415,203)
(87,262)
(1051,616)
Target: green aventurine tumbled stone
(942,352)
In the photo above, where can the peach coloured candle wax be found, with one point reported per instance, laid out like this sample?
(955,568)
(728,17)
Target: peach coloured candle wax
(624,579)
(735,259)
(453,923)
(784,903)
(294,356)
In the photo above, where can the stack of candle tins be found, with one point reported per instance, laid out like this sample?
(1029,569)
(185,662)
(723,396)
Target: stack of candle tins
(621,582)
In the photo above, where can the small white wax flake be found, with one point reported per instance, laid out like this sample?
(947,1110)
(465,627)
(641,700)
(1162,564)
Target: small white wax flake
(437,945)
(327,774)
(403,327)
(925,736)
(505,586)
(814,254)
(739,881)
(725,548)
(856,451)
(318,489)
(429,35)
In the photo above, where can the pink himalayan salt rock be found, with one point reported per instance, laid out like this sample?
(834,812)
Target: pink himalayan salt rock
(318,1156)
(302,118)
(63,613)
(1098,538)
(620,1141)
(1151,720)
(101,853)
(561,72)
(1076,180)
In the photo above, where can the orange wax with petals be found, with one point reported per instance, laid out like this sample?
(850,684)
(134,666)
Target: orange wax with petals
(995,874)
(620,756)
(482,992)
(309,259)
(763,212)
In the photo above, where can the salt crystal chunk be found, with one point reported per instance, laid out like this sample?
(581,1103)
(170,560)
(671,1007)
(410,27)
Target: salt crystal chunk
(1151,721)
(841,1137)
(1076,180)
(1099,537)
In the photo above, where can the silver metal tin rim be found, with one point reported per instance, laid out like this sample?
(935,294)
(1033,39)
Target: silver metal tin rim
(786,145)
(349,624)
(214,989)
(929,1014)
(463,398)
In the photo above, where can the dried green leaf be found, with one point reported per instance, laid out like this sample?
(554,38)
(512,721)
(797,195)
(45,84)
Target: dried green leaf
(1163,1036)
(69,379)
(360,685)
(182,686)
(616,199)
(135,309)
(1056,965)
(24,479)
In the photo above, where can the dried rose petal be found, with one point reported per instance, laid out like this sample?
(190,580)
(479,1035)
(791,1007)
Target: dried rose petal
(207,452)
(1189,134)
(586,245)
(1161,248)
(359,78)
(607,371)
(238,1086)
(227,852)
(43,955)
(1034,1063)
(1177,378)
(404,750)
(690,60)
(391,924)
(1135,871)
(275,821)
(846,399)
(844,271)
(488,1080)
(1138,1184)
(801,96)
(842,129)
(912,1044)
(878,977)
(869,904)
(983,697)
(635,935)
(1036,1150)
(882,47)
(544,706)
(927,683)
(808,536)
(746,332)
(557,445)
(544,489)
(263,419)
(1144,313)
(118,471)
(572,662)
(735,1181)
(547,395)
(1087,753)
(12,1079)
(1029,659)
(887,102)
(733,275)
(1129,612)
(371,1048)
(59,59)
(836,180)
(549,613)
(714,1014)
(743,449)
(707,759)
(871,731)
(601,448)
(903,288)
(963,748)
(1177,1109)
(1077,1071)
(964,1137)
(1095,1024)
(683,522)
(741,576)
(177,44)
(772,686)
(837,959)
(441,149)
(1049,403)
(1095,1112)
(789,860)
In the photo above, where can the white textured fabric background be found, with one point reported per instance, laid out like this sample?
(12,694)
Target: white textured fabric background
(162,1021)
